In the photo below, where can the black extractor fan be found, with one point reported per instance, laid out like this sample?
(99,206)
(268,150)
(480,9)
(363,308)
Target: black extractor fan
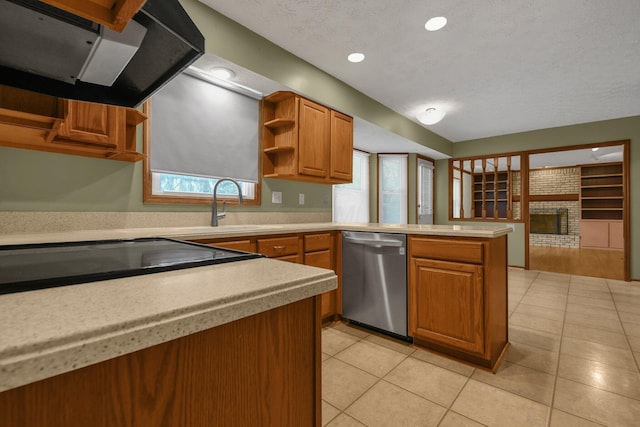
(47,50)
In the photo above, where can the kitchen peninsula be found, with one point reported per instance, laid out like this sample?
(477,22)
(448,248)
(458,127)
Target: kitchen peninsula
(188,345)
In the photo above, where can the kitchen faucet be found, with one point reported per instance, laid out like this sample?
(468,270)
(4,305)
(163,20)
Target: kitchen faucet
(215,216)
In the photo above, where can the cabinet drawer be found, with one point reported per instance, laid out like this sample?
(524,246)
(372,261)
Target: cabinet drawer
(278,247)
(450,250)
(289,258)
(320,259)
(239,245)
(317,242)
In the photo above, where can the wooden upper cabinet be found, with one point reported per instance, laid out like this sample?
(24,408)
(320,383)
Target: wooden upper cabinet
(341,147)
(306,141)
(40,122)
(313,139)
(114,14)
(93,124)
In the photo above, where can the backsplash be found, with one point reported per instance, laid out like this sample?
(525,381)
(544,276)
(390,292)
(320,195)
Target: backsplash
(44,222)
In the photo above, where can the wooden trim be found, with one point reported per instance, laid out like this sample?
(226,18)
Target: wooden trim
(570,197)
(433,184)
(338,270)
(524,205)
(450,199)
(147,185)
(318,361)
(576,147)
(626,213)
(554,168)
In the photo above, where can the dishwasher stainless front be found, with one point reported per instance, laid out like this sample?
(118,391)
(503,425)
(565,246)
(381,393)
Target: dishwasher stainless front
(374,280)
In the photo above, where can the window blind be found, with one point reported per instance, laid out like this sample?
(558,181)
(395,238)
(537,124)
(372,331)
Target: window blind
(201,129)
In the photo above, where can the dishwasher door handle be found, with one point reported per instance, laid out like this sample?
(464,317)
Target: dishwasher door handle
(374,242)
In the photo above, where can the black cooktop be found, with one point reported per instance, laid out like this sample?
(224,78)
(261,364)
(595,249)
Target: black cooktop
(39,266)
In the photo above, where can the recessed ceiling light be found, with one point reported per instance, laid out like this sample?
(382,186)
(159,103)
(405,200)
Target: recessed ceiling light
(434,24)
(222,73)
(431,116)
(356,57)
(595,149)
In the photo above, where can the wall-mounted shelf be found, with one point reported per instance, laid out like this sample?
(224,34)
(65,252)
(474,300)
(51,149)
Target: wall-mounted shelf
(602,191)
(274,150)
(491,195)
(278,123)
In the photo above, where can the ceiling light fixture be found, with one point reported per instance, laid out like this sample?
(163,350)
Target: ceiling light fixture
(434,24)
(222,73)
(431,116)
(595,149)
(356,57)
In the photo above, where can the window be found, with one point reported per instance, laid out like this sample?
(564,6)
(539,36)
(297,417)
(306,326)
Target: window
(199,133)
(392,188)
(166,184)
(351,201)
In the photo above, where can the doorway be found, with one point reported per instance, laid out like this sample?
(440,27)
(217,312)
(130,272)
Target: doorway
(578,211)
(425,191)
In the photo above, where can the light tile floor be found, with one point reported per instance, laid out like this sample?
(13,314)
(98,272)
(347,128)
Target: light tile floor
(573,361)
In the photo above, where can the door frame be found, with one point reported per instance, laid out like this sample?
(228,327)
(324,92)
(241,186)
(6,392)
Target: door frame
(626,220)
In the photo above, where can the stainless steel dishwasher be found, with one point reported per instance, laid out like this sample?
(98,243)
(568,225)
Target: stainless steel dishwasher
(374,280)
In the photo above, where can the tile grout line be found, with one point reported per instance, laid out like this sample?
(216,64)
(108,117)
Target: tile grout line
(448,409)
(626,336)
(555,377)
(359,339)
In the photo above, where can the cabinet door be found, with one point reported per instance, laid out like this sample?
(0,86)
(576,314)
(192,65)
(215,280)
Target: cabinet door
(616,235)
(341,164)
(447,304)
(99,125)
(594,234)
(313,139)
(322,259)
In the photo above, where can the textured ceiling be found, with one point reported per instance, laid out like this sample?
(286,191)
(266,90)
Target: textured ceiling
(498,67)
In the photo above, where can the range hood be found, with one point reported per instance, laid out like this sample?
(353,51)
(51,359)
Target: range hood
(47,50)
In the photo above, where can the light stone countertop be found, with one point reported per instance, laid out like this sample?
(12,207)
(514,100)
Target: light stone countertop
(195,233)
(51,331)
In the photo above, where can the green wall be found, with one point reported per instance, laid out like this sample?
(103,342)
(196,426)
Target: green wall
(587,133)
(38,181)
(41,181)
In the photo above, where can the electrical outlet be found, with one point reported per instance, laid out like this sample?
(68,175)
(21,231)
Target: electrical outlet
(301,199)
(276,197)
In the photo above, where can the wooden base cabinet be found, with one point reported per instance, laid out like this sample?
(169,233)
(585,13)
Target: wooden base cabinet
(602,234)
(261,370)
(458,297)
(319,252)
(314,249)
